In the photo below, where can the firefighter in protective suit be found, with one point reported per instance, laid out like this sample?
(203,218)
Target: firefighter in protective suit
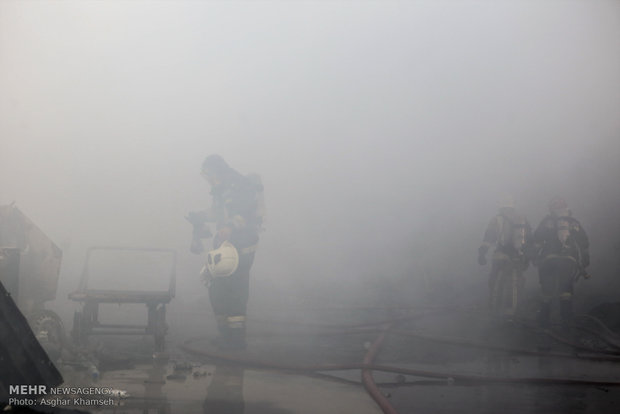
(234,210)
(562,255)
(508,232)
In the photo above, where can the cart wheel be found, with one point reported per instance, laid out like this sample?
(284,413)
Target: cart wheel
(49,330)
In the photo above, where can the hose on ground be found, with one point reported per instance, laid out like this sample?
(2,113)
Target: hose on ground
(452,377)
(592,355)
(367,378)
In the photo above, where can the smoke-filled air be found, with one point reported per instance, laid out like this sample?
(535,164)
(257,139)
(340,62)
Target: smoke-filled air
(386,136)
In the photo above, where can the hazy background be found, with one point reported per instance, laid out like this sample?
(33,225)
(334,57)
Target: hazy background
(384,132)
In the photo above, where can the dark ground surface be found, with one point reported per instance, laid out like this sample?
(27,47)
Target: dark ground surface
(460,350)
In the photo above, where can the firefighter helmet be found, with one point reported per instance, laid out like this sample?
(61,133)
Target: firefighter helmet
(214,164)
(223,261)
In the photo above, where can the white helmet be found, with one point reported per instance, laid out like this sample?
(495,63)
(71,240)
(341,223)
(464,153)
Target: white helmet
(223,261)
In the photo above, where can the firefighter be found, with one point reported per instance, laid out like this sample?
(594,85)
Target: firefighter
(562,255)
(507,232)
(234,210)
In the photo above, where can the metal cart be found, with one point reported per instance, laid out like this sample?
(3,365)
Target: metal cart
(86,321)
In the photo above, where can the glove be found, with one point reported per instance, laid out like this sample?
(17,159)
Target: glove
(585,273)
(482,253)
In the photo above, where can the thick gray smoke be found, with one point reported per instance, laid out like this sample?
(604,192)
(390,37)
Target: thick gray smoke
(384,132)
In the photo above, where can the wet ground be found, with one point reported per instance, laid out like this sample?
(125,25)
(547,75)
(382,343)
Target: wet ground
(228,389)
(432,361)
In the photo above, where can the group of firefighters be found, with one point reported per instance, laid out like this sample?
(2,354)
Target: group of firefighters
(559,248)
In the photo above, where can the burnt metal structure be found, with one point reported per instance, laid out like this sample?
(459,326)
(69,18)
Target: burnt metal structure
(39,263)
(22,359)
(86,321)
(29,269)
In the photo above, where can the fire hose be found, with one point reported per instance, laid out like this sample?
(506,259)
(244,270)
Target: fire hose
(368,365)
(300,368)
(367,378)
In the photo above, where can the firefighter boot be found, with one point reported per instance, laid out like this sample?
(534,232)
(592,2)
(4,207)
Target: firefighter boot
(236,329)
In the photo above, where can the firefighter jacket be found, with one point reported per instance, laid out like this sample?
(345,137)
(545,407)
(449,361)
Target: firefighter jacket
(235,204)
(508,232)
(562,236)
